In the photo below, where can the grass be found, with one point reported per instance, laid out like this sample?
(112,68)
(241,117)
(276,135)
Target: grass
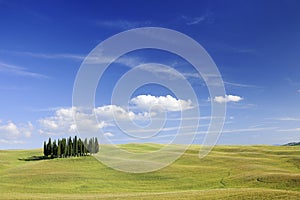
(228,172)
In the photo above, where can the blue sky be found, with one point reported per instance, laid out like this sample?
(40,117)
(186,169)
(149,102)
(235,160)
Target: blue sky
(255,45)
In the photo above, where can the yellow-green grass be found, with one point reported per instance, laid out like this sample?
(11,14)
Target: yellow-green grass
(228,172)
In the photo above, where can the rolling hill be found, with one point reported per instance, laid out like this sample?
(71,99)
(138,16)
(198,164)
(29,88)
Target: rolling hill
(228,172)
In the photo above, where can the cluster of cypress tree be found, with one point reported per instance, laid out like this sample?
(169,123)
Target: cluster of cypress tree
(70,147)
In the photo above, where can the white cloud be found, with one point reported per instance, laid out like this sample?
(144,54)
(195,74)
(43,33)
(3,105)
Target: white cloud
(160,70)
(122,24)
(4,141)
(129,61)
(170,72)
(290,130)
(227,98)
(240,85)
(167,103)
(251,129)
(19,71)
(108,134)
(299,91)
(9,130)
(286,119)
(27,129)
(195,20)
(11,133)
(63,122)
(207,17)
(108,112)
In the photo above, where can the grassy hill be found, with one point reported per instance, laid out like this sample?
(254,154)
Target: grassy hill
(228,172)
(292,144)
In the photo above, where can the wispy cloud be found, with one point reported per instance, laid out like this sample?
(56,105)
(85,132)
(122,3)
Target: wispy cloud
(4,141)
(248,129)
(224,131)
(173,74)
(122,24)
(285,118)
(194,20)
(19,71)
(47,55)
(289,130)
(207,17)
(292,82)
(240,85)
(12,88)
(127,60)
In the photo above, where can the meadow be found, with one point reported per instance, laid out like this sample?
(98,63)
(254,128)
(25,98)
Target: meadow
(228,172)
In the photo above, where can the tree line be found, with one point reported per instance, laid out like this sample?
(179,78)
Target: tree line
(70,147)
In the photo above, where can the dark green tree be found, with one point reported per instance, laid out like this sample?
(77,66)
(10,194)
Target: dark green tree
(58,148)
(80,147)
(75,146)
(90,146)
(70,147)
(63,147)
(49,147)
(85,144)
(45,149)
(54,151)
(96,146)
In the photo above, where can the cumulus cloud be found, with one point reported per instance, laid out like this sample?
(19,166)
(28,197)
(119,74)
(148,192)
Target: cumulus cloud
(26,129)
(167,103)
(108,112)
(63,122)
(12,133)
(227,98)
(9,130)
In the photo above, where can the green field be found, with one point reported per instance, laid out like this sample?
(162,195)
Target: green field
(228,172)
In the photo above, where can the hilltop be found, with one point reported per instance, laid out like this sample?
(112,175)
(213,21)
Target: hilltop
(292,144)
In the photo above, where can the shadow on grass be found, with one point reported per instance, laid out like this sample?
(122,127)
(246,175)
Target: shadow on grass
(35,158)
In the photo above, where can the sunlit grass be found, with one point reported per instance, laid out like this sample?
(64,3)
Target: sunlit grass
(228,172)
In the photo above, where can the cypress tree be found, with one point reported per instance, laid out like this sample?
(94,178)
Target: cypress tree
(90,145)
(54,151)
(70,147)
(45,149)
(85,146)
(49,147)
(96,145)
(79,147)
(58,148)
(93,145)
(75,146)
(63,147)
